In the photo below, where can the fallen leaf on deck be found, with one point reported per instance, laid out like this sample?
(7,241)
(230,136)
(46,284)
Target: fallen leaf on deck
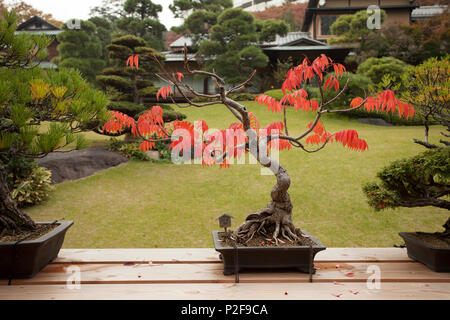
(128,264)
(337,295)
(337,266)
(338,283)
(354,292)
(350,274)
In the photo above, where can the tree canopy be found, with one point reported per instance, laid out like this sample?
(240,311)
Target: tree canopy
(29,97)
(81,49)
(232,48)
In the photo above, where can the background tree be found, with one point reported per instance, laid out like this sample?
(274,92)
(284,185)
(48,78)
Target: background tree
(427,87)
(28,97)
(140,18)
(293,14)
(274,221)
(232,48)
(412,44)
(199,16)
(24,11)
(81,49)
(104,33)
(126,86)
(110,10)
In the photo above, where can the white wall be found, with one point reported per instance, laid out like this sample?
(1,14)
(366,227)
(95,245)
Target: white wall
(263,5)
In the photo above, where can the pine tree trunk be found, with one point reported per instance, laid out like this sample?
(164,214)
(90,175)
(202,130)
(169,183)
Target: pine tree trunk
(12,219)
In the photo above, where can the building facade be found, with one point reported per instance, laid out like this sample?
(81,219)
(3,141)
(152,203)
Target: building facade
(321,14)
(37,25)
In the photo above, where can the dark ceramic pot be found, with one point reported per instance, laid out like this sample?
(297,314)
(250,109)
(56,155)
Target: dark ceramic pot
(437,259)
(299,258)
(25,259)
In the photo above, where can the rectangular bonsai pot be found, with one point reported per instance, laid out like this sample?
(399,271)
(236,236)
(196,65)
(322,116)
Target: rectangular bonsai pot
(27,258)
(437,259)
(298,258)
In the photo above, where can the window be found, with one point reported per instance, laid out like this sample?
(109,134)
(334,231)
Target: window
(325,24)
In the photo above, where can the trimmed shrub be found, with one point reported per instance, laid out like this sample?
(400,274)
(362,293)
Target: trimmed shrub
(376,68)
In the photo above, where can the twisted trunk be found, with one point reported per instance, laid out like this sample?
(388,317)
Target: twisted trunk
(12,219)
(276,219)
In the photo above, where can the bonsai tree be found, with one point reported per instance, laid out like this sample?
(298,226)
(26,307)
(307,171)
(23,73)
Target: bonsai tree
(246,135)
(424,179)
(28,98)
(127,86)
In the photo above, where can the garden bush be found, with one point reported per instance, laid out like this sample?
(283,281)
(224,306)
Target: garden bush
(376,68)
(32,189)
(132,151)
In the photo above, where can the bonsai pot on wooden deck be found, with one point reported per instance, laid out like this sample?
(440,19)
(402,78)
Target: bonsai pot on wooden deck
(25,259)
(300,258)
(435,258)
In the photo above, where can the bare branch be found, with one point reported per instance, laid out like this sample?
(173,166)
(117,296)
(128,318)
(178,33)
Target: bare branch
(242,85)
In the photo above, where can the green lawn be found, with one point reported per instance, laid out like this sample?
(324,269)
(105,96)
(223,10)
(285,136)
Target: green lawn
(146,205)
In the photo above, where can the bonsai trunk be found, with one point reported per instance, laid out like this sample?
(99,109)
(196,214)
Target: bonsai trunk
(276,219)
(12,219)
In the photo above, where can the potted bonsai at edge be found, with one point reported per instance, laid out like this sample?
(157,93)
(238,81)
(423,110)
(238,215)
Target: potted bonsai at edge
(28,98)
(423,180)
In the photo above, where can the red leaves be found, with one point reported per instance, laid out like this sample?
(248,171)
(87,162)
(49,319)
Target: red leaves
(180,76)
(339,69)
(271,103)
(350,139)
(254,122)
(332,82)
(118,122)
(387,102)
(164,92)
(305,71)
(133,61)
(356,102)
(149,123)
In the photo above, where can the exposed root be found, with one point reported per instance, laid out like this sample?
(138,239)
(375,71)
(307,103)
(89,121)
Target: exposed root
(273,222)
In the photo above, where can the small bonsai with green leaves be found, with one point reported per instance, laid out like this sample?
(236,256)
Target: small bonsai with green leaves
(423,180)
(40,112)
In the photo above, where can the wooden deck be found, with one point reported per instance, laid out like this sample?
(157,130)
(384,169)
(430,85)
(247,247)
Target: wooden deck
(191,274)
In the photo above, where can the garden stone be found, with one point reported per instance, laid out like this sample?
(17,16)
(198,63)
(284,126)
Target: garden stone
(79,164)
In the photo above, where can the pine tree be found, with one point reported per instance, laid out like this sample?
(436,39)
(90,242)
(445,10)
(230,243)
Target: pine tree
(126,86)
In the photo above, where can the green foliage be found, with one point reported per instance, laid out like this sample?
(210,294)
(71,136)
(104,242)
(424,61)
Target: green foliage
(32,189)
(203,15)
(30,96)
(376,68)
(231,50)
(19,50)
(350,28)
(81,49)
(131,150)
(418,181)
(358,85)
(140,18)
(125,86)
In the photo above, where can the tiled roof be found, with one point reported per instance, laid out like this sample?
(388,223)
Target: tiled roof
(428,11)
(290,38)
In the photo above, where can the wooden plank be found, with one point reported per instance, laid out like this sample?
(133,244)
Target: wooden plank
(165,256)
(242,291)
(120,256)
(212,273)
